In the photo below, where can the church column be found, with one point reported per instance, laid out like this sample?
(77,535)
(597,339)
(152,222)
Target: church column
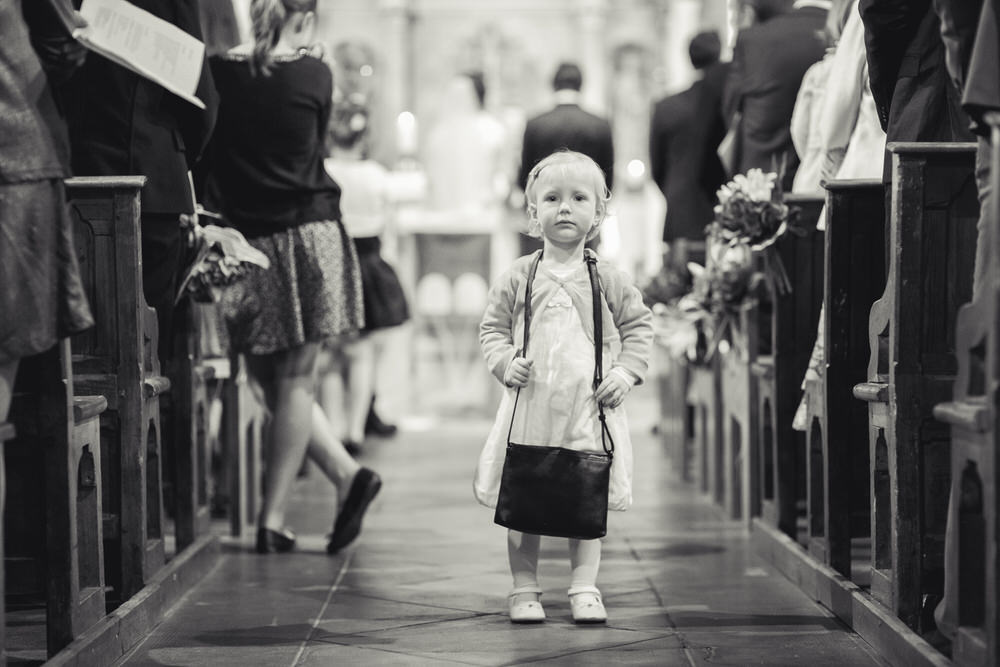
(396,47)
(594,55)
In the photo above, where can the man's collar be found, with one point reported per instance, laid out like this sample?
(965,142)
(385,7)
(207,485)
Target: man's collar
(567,96)
(819,4)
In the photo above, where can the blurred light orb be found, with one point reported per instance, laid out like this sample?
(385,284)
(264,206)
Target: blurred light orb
(636,169)
(366,70)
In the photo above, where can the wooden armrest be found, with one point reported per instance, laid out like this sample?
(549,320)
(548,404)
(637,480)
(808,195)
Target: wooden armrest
(6,431)
(969,413)
(105,181)
(86,407)
(215,368)
(872,392)
(763,367)
(155,385)
(924,147)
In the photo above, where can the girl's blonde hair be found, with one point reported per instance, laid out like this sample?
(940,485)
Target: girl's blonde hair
(269,18)
(585,167)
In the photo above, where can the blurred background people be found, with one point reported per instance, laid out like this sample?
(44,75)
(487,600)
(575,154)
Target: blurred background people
(364,205)
(685,131)
(567,125)
(770,58)
(267,178)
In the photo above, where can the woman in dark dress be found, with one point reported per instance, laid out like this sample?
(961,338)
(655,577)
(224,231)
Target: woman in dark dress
(268,180)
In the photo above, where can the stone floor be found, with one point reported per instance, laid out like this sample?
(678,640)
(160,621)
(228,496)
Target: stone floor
(425,584)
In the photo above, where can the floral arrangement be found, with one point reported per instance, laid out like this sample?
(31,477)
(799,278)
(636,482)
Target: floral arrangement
(750,213)
(218,256)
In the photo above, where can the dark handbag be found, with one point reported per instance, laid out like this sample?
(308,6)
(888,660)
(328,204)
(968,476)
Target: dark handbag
(551,490)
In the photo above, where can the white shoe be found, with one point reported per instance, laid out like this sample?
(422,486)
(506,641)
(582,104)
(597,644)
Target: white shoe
(524,606)
(586,604)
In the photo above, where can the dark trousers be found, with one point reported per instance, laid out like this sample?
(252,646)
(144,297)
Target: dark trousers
(161,262)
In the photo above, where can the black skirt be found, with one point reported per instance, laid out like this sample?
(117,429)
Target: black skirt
(384,301)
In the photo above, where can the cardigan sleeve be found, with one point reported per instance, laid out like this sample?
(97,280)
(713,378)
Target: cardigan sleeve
(496,331)
(634,322)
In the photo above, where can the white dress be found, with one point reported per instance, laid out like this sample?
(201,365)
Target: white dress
(557,407)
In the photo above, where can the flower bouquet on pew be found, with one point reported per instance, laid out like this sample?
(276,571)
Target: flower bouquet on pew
(750,212)
(721,289)
(217,256)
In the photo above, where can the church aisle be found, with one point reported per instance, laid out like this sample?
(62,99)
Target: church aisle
(426,582)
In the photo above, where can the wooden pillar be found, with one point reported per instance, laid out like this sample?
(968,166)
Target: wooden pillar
(398,70)
(594,56)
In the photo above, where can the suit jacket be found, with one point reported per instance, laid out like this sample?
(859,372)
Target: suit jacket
(982,88)
(913,93)
(684,133)
(567,126)
(122,123)
(769,61)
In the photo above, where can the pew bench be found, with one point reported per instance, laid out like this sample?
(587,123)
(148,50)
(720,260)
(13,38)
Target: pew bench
(837,426)
(971,548)
(118,359)
(740,448)
(931,241)
(787,330)
(704,395)
(54,541)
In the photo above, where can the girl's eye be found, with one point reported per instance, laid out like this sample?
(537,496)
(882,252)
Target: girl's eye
(550,197)
(581,197)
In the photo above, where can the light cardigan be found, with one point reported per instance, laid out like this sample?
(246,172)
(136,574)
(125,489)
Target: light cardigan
(626,320)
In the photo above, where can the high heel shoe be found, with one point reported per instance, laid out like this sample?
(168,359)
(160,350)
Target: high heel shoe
(375,426)
(279,541)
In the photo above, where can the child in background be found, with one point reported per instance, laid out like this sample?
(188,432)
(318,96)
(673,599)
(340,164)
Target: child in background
(566,200)
(364,205)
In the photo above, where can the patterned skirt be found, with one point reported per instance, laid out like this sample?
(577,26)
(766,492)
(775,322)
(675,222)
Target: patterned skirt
(311,292)
(42,297)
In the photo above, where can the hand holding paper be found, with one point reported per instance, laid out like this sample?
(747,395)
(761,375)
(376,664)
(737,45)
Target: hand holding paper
(143,43)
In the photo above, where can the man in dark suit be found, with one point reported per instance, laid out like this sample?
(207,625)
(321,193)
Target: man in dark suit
(684,133)
(769,59)
(121,123)
(565,126)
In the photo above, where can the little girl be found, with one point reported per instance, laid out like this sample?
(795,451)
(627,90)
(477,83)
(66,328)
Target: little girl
(566,199)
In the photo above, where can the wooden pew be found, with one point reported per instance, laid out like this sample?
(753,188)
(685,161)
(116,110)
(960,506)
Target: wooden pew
(192,371)
(7,432)
(118,359)
(740,449)
(55,548)
(837,426)
(704,395)
(785,344)
(932,233)
(674,426)
(243,424)
(973,503)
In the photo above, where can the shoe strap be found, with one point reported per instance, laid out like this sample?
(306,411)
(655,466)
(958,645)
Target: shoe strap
(525,589)
(576,590)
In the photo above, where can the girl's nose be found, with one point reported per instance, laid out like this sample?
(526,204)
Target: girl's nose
(564,205)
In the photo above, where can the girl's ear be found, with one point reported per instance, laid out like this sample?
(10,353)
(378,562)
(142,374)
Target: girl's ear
(532,210)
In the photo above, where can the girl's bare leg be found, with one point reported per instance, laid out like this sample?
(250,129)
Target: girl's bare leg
(360,385)
(585,561)
(8,371)
(329,454)
(522,552)
(290,392)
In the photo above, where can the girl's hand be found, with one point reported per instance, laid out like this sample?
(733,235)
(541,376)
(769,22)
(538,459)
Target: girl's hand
(612,391)
(518,372)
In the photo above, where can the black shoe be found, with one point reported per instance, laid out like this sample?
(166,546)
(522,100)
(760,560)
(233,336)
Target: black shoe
(348,524)
(352,447)
(375,426)
(280,541)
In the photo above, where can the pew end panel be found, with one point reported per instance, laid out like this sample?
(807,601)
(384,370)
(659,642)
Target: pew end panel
(934,207)
(118,359)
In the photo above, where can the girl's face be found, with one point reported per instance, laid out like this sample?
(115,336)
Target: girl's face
(565,205)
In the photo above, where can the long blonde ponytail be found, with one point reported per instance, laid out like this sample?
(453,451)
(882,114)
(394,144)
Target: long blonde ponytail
(268,18)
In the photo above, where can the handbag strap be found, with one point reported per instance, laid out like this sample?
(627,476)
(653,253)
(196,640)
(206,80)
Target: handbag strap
(591,259)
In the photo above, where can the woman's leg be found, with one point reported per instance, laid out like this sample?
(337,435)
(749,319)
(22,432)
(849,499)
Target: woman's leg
(329,454)
(289,385)
(331,384)
(360,356)
(522,552)
(585,560)
(8,371)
